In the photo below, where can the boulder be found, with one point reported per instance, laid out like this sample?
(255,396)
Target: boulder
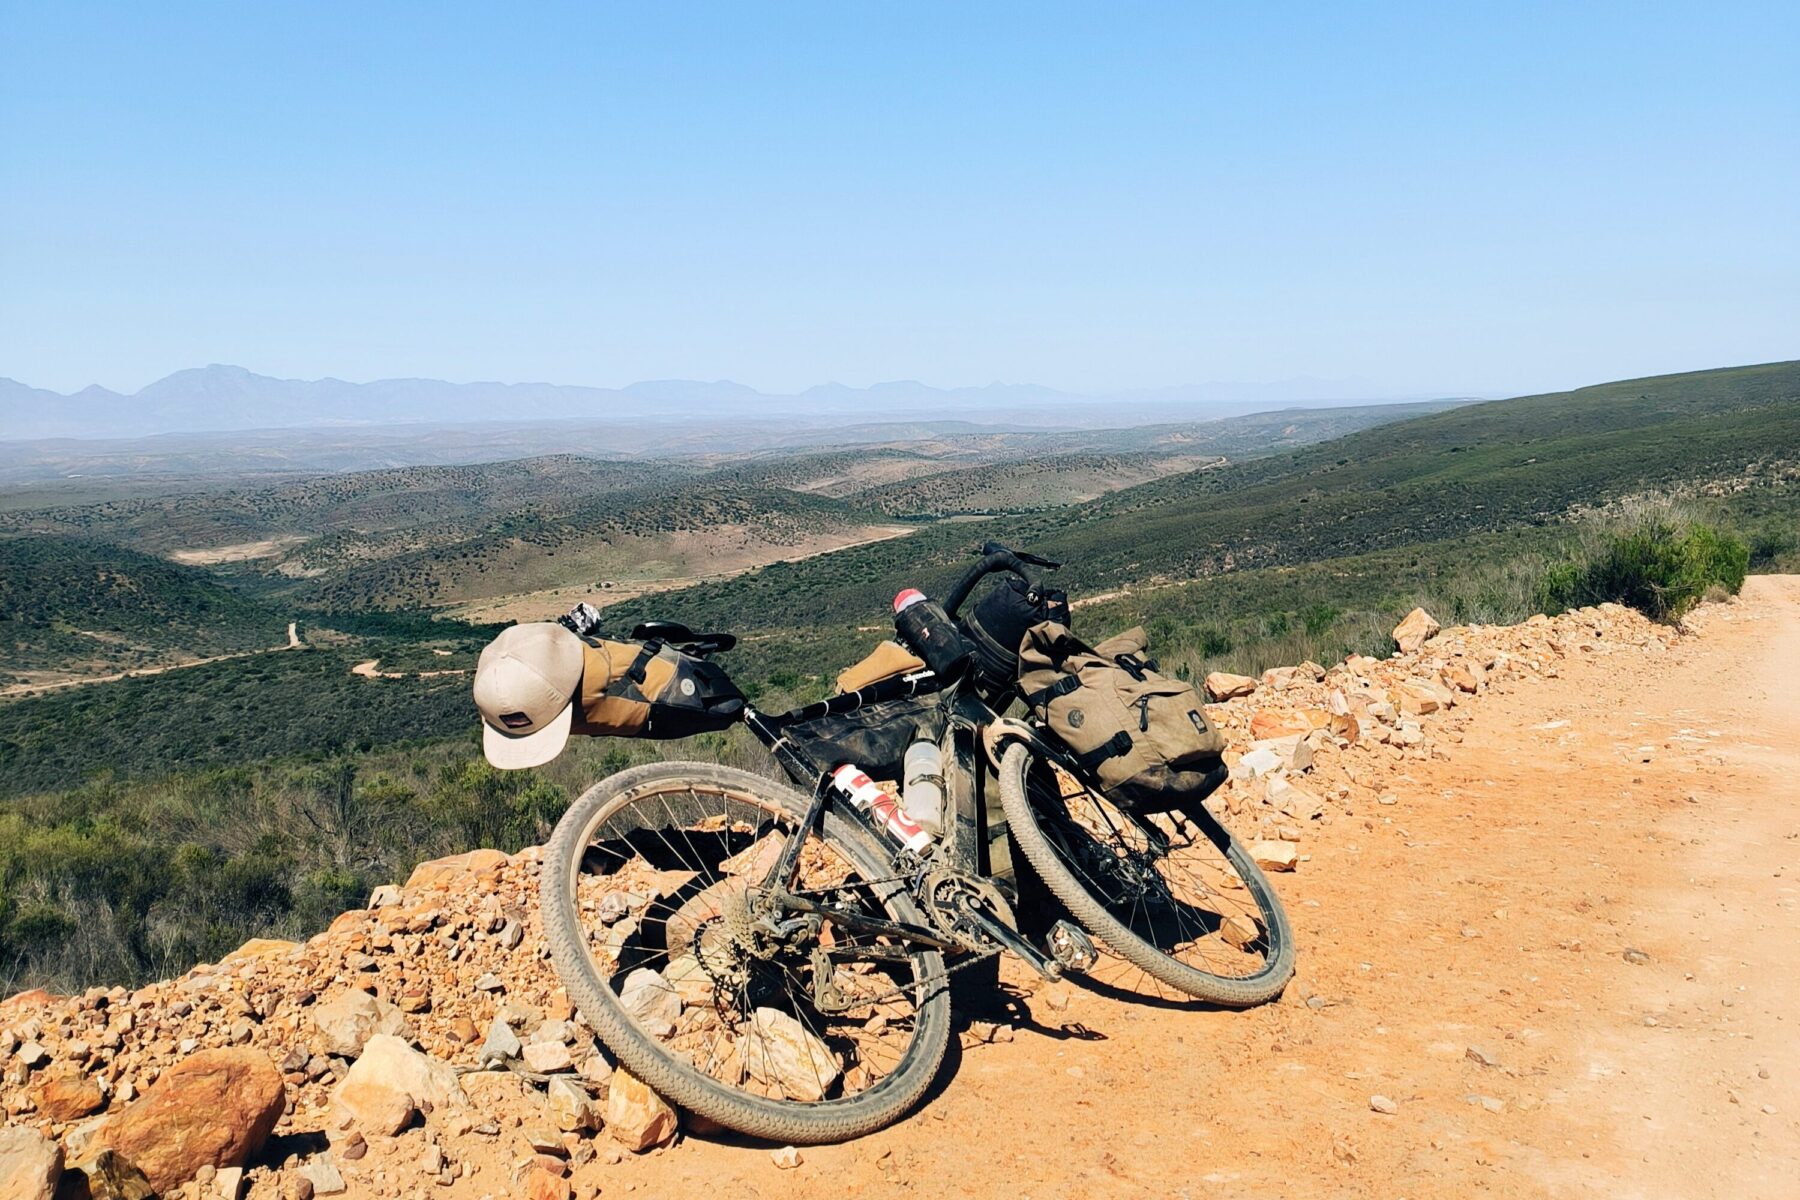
(501,1043)
(1277,678)
(1293,752)
(350,1019)
(30,1164)
(390,1081)
(1465,676)
(1256,763)
(1421,696)
(107,1176)
(636,1116)
(1414,630)
(214,1108)
(782,1054)
(1240,931)
(571,1105)
(690,980)
(1275,855)
(68,1094)
(653,1000)
(547,1058)
(1293,800)
(441,872)
(1222,685)
(1266,723)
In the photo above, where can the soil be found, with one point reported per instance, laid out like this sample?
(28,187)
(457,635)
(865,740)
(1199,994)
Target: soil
(1640,804)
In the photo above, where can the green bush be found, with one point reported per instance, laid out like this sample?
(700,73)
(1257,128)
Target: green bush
(1662,567)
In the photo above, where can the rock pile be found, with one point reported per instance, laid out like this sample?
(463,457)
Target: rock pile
(424,1042)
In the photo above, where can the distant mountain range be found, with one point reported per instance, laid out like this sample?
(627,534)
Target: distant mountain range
(225,398)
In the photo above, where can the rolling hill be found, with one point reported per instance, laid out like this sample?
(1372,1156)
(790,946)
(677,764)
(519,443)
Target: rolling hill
(76,606)
(1476,469)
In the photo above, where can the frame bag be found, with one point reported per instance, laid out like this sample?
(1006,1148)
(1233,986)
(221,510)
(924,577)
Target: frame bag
(1144,736)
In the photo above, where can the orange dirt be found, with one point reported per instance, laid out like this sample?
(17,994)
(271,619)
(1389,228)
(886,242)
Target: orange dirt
(1490,907)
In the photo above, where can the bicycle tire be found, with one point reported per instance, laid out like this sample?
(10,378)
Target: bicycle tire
(672,1076)
(1095,916)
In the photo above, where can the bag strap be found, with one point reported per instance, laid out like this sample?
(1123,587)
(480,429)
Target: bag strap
(1061,687)
(1119,743)
(1133,664)
(636,671)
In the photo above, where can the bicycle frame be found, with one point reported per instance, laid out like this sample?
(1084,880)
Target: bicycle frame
(969,840)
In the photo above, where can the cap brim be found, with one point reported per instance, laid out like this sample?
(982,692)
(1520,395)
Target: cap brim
(534,749)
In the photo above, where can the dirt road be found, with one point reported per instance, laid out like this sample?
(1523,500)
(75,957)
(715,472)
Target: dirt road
(1637,802)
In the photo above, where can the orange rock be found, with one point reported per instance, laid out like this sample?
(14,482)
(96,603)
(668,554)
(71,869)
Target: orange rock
(68,1094)
(544,1185)
(216,1107)
(444,871)
(263,948)
(1268,723)
(1222,685)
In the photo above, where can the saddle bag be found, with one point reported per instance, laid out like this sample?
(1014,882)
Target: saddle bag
(650,689)
(998,622)
(1144,736)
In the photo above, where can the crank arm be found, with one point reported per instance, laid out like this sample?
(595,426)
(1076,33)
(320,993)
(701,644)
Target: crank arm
(1009,939)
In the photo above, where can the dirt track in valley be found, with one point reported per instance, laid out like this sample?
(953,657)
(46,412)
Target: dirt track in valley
(1637,801)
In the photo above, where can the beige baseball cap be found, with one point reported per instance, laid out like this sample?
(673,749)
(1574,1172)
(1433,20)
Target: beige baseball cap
(525,685)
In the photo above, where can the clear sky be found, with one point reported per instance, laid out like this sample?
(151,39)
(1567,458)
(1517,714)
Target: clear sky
(1436,198)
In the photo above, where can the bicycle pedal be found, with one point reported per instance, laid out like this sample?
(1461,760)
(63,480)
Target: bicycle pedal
(1071,947)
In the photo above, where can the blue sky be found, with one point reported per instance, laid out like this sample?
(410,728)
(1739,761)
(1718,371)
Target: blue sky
(1422,199)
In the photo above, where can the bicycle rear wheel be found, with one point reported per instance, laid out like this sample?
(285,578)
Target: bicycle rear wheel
(1173,893)
(783,1025)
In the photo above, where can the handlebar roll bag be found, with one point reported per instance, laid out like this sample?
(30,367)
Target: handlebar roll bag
(998,622)
(652,690)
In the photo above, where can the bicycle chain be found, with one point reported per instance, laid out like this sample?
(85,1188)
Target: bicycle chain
(975,956)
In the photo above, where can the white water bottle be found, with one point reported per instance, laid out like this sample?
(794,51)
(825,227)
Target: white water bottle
(923,790)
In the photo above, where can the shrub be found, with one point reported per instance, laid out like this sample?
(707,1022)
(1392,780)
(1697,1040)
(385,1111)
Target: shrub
(1661,567)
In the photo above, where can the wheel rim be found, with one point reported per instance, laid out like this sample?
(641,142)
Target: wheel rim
(676,929)
(1165,878)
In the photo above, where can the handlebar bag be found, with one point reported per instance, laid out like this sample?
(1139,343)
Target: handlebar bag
(652,690)
(1144,736)
(999,620)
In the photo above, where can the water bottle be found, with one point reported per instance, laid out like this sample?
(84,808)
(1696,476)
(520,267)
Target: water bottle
(854,784)
(923,789)
(929,632)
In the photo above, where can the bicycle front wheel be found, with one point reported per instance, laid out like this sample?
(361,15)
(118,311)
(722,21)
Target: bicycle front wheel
(775,1022)
(1172,893)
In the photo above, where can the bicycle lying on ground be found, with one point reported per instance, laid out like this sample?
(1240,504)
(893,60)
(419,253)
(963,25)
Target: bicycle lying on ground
(775,960)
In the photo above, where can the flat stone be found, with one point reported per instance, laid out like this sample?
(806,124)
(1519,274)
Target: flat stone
(30,1164)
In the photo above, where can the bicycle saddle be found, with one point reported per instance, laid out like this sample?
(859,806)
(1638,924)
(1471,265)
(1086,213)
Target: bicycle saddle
(679,635)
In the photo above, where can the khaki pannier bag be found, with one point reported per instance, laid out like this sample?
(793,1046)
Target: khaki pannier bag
(1144,736)
(651,690)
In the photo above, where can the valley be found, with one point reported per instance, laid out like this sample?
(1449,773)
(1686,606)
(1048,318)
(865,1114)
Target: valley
(1241,544)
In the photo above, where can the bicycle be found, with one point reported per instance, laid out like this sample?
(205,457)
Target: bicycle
(773,960)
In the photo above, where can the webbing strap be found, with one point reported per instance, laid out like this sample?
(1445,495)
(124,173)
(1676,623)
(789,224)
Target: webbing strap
(1061,687)
(1119,743)
(635,672)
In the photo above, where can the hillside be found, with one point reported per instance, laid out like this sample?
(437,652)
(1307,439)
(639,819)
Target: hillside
(1524,463)
(1467,1005)
(76,606)
(208,525)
